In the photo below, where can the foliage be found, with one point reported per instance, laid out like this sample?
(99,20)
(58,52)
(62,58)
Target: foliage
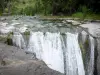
(27,33)
(89,15)
(47,7)
(15,10)
(28,11)
(78,14)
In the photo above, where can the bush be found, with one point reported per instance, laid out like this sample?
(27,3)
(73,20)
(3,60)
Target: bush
(29,10)
(16,10)
(85,11)
(27,33)
(6,10)
(78,14)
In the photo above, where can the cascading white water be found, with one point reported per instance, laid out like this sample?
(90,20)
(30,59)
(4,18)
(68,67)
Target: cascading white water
(91,61)
(60,53)
(18,40)
(74,62)
(52,49)
(48,47)
(35,43)
(84,36)
(53,53)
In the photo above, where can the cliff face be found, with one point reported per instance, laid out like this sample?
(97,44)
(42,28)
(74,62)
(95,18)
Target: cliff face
(94,30)
(14,61)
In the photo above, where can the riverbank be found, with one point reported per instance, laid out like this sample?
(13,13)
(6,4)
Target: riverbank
(78,16)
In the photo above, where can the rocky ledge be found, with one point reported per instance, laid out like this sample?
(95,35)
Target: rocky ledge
(94,29)
(15,61)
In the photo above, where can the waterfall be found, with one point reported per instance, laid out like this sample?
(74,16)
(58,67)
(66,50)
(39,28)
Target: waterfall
(74,62)
(60,50)
(18,40)
(91,61)
(36,43)
(53,53)
(47,48)
(60,53)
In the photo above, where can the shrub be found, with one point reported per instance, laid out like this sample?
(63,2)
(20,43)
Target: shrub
(6,10)
(85,11)
(78,14)
(15,10)
(27,33)
(82,12)
(29,10)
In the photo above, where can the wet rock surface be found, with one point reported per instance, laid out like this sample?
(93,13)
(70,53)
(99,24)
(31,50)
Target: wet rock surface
(94,30)
(14,61)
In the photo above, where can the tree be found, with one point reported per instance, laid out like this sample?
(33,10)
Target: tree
(1,5)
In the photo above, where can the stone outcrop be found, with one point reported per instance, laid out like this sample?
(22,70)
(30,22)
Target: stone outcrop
(14,61)
(94,30)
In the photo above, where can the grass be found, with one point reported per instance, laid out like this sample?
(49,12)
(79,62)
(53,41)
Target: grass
(88,16)
(79,15)
(55,17)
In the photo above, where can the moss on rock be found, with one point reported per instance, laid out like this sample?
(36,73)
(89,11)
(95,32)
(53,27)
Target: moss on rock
(83,51)
(27,33)
(9,39)
(3,39)
(3,63)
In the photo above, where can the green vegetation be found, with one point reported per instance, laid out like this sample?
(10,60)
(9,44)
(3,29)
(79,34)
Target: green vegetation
(27,33)
(75,15)
(68,8)
(3,63)
(88,16)
(83,51)
(3,39)
(9,39)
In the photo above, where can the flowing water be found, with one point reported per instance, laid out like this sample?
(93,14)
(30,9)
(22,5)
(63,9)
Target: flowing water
(74,62)
(91,61)
(18,40)
(53,42)
(48,48)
